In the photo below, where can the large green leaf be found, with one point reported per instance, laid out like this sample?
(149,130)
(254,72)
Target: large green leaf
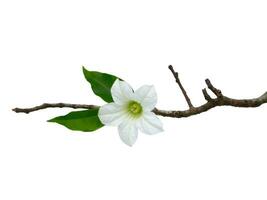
(86,120)
(101,83)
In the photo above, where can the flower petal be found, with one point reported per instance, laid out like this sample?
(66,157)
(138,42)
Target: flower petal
(112,114)
(121,92)
(147,96)
(128,133)
(150,124)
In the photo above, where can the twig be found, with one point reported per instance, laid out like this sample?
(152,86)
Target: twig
(176,76)
(206,95)
(53,105)
(217,92)
(220,100)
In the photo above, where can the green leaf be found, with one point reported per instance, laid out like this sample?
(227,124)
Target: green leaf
(101,83)
(86,120)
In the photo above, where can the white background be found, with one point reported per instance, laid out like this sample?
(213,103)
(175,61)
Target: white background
(220,154)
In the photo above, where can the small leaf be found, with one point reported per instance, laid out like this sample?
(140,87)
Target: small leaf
(101,83)
(86,120)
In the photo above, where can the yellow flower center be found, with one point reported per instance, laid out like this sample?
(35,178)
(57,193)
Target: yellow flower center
(135,108)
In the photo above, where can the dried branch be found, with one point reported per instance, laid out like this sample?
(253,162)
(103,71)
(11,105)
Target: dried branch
(53,105)
(217,92)
(223,101)
(220,100)
(176,76)
(206,95)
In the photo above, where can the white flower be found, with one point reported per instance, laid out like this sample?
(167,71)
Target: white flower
(131,111)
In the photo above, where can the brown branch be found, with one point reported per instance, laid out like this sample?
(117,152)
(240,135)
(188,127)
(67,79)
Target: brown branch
(220,100)
(223,101)
(206,95)
(176,76)
(217,92)
(53,105)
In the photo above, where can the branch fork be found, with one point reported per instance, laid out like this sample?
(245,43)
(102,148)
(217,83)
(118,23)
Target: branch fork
(219,100)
